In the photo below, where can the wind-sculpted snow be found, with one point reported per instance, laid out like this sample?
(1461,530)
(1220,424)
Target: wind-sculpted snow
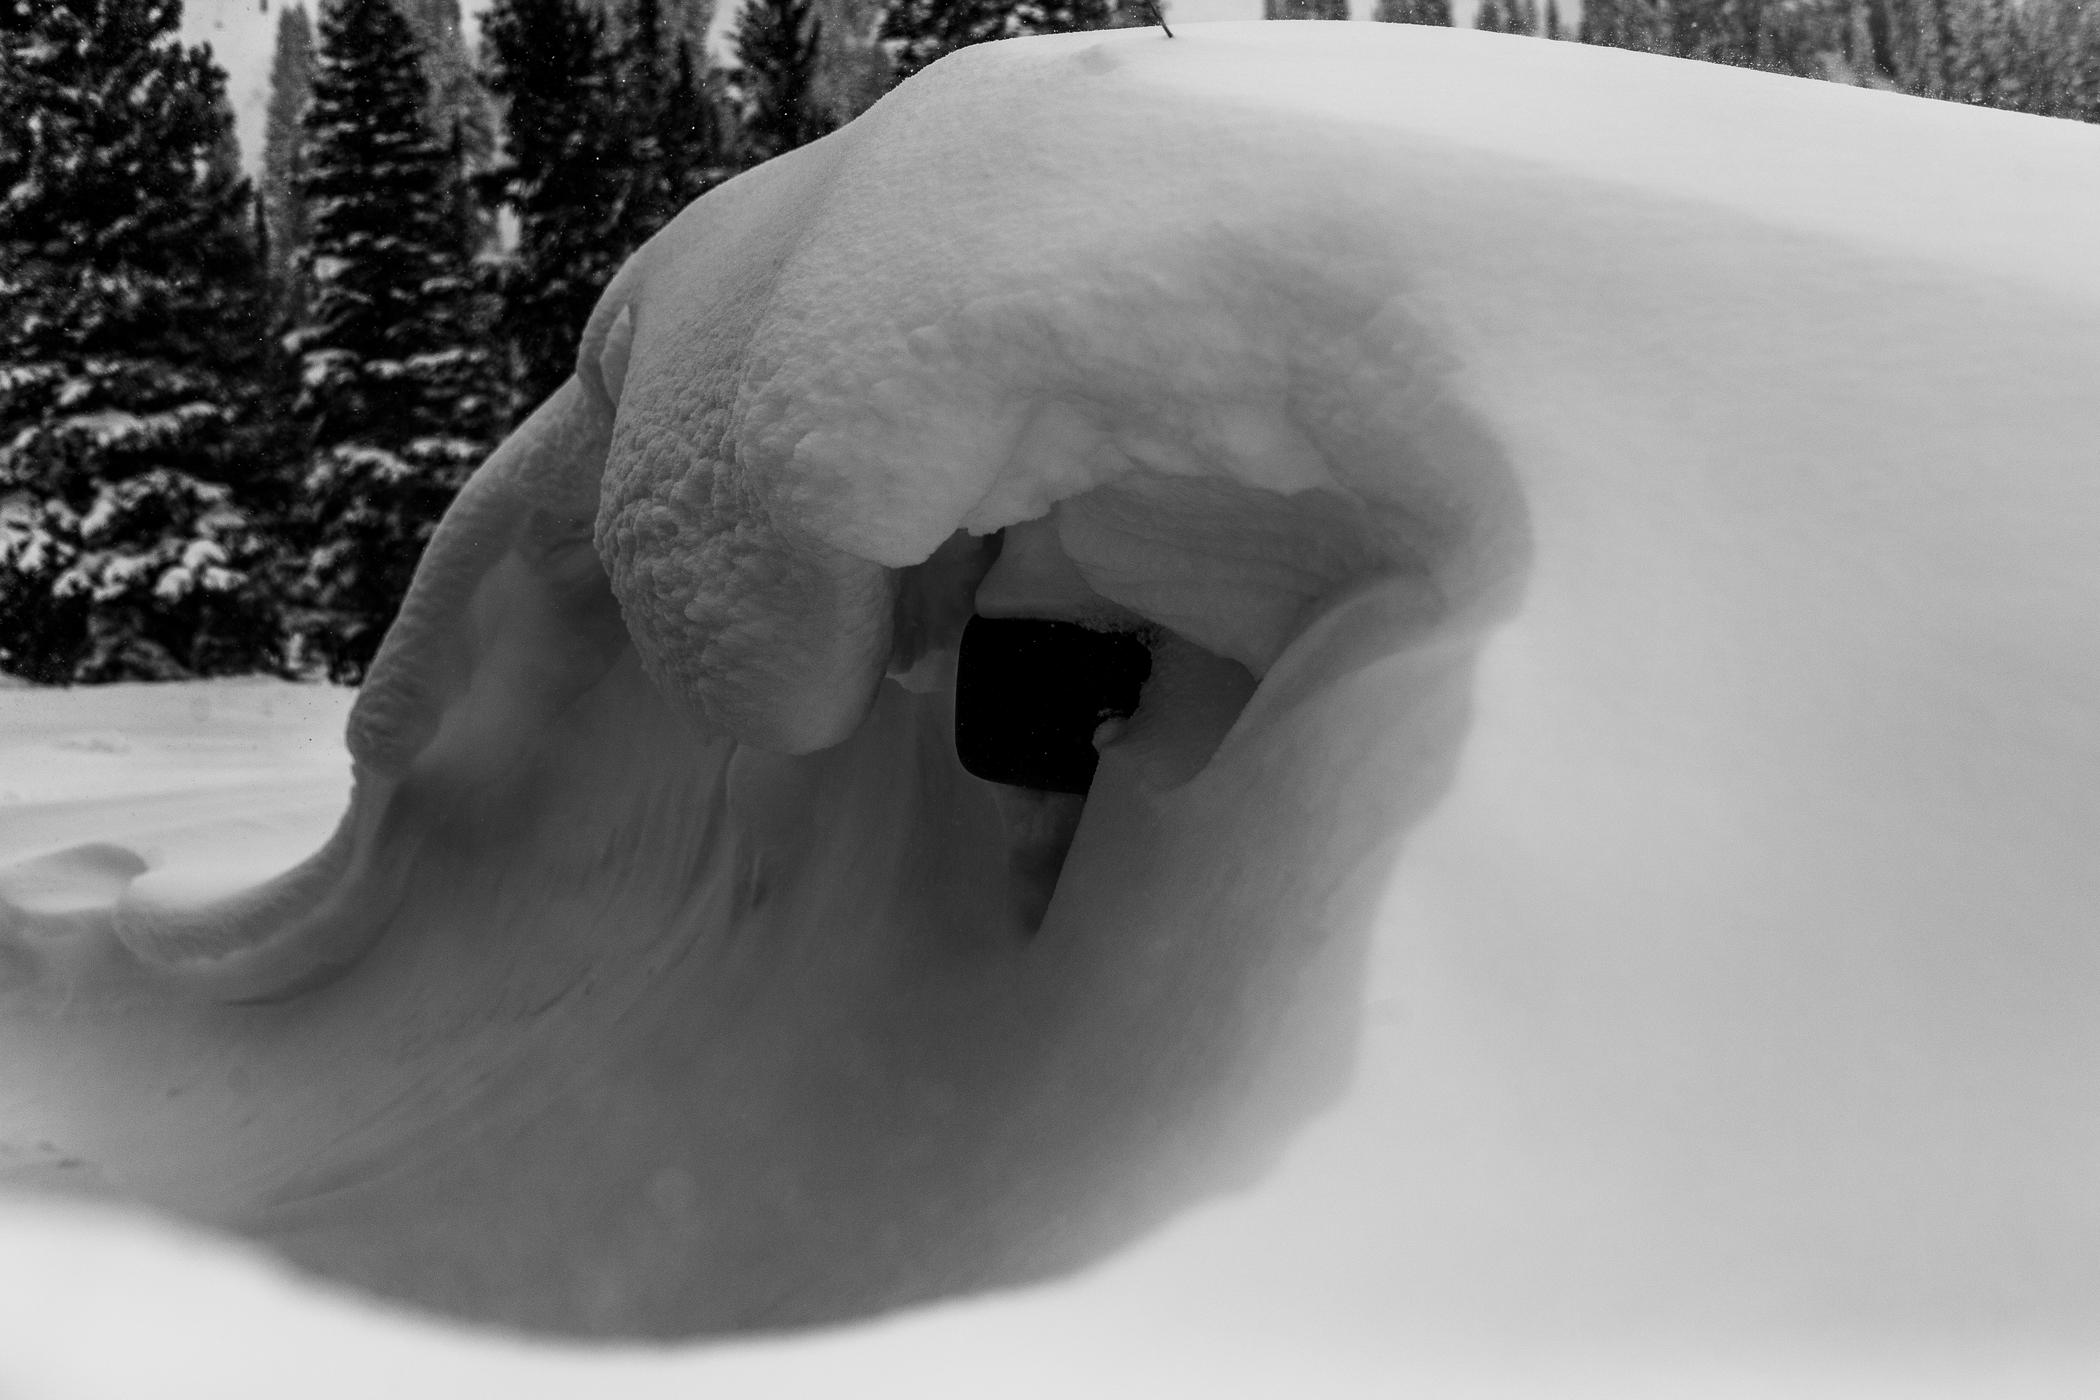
(1615,542)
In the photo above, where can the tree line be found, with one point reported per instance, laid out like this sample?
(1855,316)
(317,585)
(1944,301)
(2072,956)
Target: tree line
(2036,56)
(231,412)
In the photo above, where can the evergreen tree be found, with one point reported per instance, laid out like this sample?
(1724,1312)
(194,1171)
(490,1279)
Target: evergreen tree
(1305,9)
(1641,25)
(776,45)
(561,177)
(2078,94)
(915,34)
(1816,29)
(674,148)
(852,68)
(1554,28)
(1494,17)
(1413,12)
(642,83)
(2055,59)
(1141,14)
(1062,16)
(131,304)
(458,107)
(690,135)
(470,227)
(394,385)
(687,22)
(1523,16)
(1987,64)
(1866,40)
(2040,56)
(284,141)
(682,21)
(456,96)
(1599,23)
(918,32)
(1871,38)
(1700,29)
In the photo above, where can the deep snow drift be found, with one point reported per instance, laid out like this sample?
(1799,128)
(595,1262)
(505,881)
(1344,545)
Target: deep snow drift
(1615,542)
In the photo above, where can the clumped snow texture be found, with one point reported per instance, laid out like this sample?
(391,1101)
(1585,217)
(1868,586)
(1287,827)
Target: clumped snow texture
(1618,538)
(970,328)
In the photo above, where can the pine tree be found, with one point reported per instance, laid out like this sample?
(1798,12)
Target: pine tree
(1139,14)
(690,135)
(1871,39)
(1779,35)
(1554,28)
(916,33)
(1305,9)
(1795,36)
(1641,25)
(1494,17)
(682,21)
(1413,12)
(470,226)
(287,237)
(673,146)
(688,22)
(2052,54)
(919,32)
(1062,16)
(852,68)
(284,142)
(1599,23)
(394,385)
(1698,29)
(642,84)
(1987,62)
(131,304)
(456,95)
(2079,97)
(1922,63)
(561,177)
(776,46)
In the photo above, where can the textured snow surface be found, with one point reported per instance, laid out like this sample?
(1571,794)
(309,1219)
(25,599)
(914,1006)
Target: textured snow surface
(1597,896)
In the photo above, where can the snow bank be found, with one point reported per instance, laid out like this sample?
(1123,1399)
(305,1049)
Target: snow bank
(1615,537)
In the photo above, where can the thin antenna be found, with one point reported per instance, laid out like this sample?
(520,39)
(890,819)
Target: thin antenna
(1159,16)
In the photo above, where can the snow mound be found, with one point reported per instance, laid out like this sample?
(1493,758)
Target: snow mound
(1614,542)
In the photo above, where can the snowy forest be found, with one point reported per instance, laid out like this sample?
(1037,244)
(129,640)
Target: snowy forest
(233,410)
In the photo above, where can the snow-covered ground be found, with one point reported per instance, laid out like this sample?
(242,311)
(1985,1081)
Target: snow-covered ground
(251,764)
(1597,897)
